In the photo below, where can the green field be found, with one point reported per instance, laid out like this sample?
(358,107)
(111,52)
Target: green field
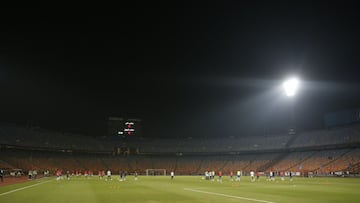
(183,189)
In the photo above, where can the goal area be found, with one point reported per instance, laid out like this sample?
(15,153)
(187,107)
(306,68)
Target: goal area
(155,172)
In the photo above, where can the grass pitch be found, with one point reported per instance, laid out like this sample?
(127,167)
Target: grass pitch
(191,189)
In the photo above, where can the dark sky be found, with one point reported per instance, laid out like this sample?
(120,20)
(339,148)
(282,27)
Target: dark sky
(185,69)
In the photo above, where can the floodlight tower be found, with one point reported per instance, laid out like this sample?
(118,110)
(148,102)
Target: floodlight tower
(291,86)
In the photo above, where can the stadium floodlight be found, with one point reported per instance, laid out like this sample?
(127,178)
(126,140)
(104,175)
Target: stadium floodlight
(290,86)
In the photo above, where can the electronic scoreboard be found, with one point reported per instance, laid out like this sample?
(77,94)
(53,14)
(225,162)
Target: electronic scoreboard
(125,127)
(129,128)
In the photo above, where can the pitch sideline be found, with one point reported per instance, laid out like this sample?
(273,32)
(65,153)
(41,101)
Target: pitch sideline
(229,196)
(23,188)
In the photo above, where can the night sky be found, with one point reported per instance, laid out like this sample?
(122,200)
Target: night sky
(185,69)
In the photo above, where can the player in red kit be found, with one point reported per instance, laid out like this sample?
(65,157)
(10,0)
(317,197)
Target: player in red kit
(258,176)
(282,175)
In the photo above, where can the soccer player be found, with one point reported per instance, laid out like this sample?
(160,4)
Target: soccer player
(238,173)
(109,175)
(30,175)
(35,174)
(282,175)
(290,175)
(68,175)
(231,176)
(273,176)
(102,173)
(172,175)
(121,176)
(220,176)
(1,175)
(58,175)
(252,176)
(136,176)
(258,176)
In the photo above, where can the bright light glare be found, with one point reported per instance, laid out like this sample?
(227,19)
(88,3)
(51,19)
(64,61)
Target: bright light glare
(291,86)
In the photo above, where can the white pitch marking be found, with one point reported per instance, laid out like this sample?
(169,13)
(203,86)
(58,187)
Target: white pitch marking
(230,196)
(23,188)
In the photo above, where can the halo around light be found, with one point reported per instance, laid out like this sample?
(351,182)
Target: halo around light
(291,86)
